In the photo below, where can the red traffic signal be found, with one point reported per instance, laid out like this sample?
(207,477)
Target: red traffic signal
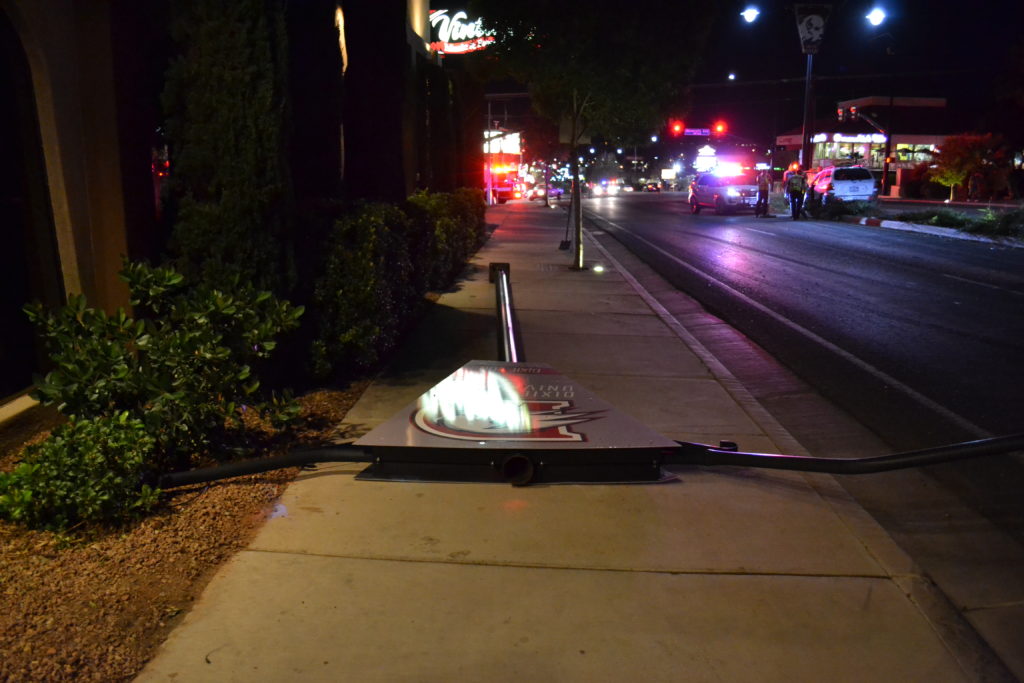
(676,127)
(719,128)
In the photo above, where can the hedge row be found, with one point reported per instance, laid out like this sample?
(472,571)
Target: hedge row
(147,394)
(379,261)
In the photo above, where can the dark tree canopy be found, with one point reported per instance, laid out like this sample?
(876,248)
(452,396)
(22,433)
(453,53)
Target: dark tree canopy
(609,69)
(619,68)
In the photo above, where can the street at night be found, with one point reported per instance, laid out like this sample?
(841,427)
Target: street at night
(885,321)
(406,340)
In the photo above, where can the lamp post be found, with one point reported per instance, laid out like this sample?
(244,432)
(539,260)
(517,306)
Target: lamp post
(810,24)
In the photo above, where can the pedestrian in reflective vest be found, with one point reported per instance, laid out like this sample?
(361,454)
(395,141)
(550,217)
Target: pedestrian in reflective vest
(796,187)
(764,184)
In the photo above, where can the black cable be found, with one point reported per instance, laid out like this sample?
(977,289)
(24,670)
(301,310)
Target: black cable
(255,466)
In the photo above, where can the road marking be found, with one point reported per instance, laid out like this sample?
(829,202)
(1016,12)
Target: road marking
(887,379)
(982,284)
(770,234)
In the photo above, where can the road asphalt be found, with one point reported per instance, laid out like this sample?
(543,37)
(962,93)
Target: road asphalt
(712,574)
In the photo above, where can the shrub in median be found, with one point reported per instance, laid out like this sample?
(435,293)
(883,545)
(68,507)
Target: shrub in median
(943,218)
(834,210)
(88,470)
(1000,224)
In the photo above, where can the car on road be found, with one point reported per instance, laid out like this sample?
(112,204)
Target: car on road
(725,193)
(842,183)
(537,192)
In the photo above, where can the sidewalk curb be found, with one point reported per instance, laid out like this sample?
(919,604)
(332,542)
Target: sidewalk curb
(933,230)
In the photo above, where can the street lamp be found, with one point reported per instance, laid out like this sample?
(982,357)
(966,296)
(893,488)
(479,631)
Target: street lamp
(876,16)
(810,23)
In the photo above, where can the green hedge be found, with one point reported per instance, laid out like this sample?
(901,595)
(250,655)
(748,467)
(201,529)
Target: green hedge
(379,262)
(88,470)
(184,366)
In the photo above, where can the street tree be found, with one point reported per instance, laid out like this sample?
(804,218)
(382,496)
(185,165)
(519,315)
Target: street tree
(598,68)
(962,155)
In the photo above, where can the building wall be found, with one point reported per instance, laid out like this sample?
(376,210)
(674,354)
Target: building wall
(68,46)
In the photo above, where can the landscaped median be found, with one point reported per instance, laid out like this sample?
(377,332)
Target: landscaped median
(1001,227)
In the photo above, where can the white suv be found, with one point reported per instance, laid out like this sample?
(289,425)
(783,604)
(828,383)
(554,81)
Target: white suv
(723,193)
(844,184)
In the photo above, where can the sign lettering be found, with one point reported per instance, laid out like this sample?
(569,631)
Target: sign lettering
(456,34)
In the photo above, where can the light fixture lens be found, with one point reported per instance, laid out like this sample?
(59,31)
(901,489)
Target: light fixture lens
(876,16)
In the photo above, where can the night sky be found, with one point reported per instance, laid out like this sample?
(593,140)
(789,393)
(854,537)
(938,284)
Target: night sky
(960,51)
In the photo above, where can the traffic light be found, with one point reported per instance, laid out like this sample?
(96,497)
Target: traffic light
(676,127)
(719,128)
(841,114)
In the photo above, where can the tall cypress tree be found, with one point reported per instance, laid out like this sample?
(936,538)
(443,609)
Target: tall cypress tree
(226,111)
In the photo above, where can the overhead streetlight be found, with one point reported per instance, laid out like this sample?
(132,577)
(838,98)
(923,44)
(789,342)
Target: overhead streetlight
(876,16)
(750,14)
(732,77)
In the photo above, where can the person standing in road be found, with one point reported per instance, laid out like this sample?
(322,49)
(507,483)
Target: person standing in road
(796,187)
(764,184)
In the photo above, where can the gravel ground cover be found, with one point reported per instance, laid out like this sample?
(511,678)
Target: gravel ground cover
(95,605)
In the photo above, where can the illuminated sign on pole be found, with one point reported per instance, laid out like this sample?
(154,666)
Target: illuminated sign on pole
(455,34)
(705,160)
(705,132)
(501,142)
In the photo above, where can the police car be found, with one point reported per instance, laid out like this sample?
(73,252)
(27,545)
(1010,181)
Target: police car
(726,190)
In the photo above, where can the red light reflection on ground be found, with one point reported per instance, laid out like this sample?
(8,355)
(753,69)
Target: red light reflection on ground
(514,505)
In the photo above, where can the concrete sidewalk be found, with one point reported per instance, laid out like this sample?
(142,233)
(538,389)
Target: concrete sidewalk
(731,575)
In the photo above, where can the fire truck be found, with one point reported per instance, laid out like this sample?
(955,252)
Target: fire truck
(505,184)
(502,159)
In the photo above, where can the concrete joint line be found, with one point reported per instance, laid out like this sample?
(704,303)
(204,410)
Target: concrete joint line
(573,568)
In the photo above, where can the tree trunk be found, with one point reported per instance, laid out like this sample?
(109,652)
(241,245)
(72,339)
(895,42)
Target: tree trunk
(574,167)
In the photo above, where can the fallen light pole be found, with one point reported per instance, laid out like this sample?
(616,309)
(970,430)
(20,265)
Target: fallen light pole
(524,423)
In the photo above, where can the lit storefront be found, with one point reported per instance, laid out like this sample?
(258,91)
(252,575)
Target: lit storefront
(858,134)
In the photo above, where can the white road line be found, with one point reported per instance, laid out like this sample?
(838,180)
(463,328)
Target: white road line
(770,234)
(982,284)
(887,379)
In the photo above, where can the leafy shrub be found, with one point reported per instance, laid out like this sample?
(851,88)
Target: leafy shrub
(1010,223)
(89,470)
(184,368)
(379,262)
(365,293)
(998,224)
(831,211)
(455,226)
(469,207)
(943,218)
(436,228)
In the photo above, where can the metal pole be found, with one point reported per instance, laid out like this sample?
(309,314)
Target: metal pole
(805,147)
(488,156)
(888,148)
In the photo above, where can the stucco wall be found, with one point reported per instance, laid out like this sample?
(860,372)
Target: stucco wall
(68,47)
